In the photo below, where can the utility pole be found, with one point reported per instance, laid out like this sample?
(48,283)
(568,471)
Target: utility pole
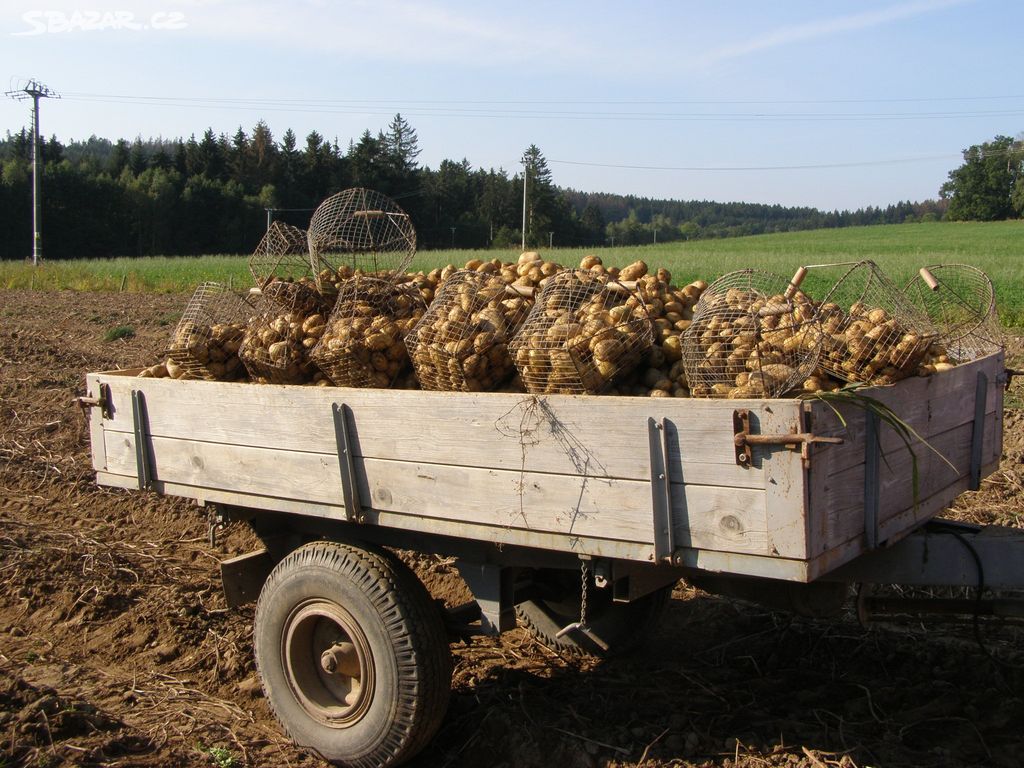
(655,235)
(35,90)
(551,237)
(525,171)
(453,237)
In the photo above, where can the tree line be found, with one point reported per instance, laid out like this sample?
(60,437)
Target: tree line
(212,194)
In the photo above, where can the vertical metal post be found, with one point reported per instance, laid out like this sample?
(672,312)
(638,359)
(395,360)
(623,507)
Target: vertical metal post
(35,90)
(661,491)
(525,171)
(978,432)
(37,187)
(872,479)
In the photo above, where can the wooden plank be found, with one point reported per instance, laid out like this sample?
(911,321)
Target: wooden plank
(722,562)
(841,495)
(601,437)
(785,489)
(717,518)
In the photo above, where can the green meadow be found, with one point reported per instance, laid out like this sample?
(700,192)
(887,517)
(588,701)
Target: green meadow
(900,250)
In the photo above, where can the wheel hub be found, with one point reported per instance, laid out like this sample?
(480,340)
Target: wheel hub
(327,663)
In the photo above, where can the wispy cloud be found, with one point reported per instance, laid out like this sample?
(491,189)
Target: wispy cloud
(400,30)
(815,30)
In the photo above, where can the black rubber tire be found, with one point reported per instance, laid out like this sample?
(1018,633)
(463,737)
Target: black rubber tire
(624,627)
(404,655)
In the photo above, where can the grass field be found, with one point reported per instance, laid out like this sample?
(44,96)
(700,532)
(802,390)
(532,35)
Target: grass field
(997,248)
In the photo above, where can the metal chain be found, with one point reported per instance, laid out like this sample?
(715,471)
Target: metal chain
(584,573)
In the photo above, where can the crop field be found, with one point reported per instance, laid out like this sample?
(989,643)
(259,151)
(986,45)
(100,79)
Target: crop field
(997,248)
(117,647)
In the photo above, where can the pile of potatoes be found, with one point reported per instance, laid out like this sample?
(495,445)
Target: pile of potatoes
(867,344)
(584,330)
(461,344)
(743,343)
(363,342)
(595,329)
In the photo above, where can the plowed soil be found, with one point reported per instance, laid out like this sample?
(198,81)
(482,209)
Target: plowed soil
(116,647)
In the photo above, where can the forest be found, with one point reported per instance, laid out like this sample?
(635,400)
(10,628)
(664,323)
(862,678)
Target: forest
(217,193)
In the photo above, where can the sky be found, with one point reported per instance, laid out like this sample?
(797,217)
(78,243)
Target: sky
(826,104)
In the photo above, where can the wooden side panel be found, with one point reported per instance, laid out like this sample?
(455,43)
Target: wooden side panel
(941,410)
(557,434)
(717,518)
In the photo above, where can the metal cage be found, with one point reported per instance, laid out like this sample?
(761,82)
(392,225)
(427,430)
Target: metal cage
(361,231)
(363,344)
(206,341)
(961,303)
(872,331)
(462,343)
(584,330)
(754,334)
(279,338)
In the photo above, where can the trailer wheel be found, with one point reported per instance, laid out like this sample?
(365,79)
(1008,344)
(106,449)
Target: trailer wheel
(622,626)
(352,654)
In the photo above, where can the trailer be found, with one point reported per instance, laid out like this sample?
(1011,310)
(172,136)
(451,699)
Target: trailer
(574,515)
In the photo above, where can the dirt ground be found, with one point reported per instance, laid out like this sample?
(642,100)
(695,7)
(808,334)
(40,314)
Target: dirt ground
(116,647)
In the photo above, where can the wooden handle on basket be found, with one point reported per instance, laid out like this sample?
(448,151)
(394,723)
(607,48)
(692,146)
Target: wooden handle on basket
(794,284)
(520,290)
(929,279)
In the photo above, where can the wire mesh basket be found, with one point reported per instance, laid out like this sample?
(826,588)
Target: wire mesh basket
(960,301)
(584,330)
(754,334)
(363,231)
(282,254)
(363,344)
(279,338)
(206,340)
(462,342)
(872,331)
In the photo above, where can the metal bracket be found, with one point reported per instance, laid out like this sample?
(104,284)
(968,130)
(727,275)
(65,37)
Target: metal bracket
(349,489)
(102,402)
(872,479)
(661,491)
(743,440)
(978,433)
(492,589)
(143,457)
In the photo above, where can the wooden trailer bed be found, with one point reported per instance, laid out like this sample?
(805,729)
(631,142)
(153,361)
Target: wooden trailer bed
(577,474)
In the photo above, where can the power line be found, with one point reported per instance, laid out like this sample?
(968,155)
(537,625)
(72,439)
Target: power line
(291,100)
(325,107)
(795,167)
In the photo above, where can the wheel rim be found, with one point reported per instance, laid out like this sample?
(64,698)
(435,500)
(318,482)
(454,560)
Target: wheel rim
(327,663)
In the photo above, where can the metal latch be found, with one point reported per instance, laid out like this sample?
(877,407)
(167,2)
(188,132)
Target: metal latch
(102,402)
(743,441)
